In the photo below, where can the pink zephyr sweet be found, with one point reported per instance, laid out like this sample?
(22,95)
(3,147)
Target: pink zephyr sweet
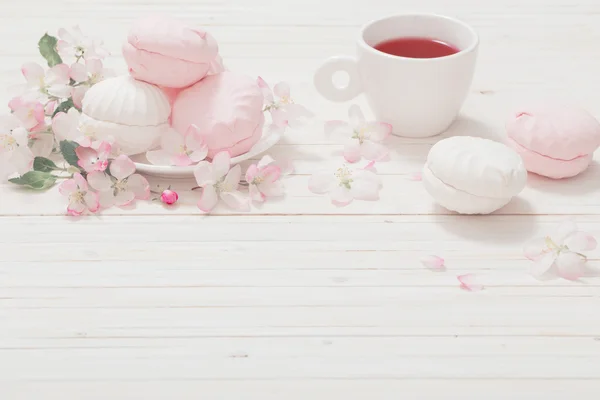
(227,109)
(166,52)
(554,140)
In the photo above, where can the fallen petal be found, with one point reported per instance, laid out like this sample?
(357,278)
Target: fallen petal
(417,177)
(434,263)
(469,282)
(580,241)
(535,248)
(570,265)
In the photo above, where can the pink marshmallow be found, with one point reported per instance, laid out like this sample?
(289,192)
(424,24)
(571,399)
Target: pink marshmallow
(166,52)
(553,140)
(227,108)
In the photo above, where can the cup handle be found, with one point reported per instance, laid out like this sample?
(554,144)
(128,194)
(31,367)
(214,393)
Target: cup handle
(323,79)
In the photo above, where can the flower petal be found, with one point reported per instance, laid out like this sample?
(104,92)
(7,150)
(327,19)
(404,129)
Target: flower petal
(78,72)
(378,131)
(62,91)
(282,90)
(321,182)
(570,266)
(562,231)
(374,151)
(199,155)
(172,141)
(64,125)
(535,248)
(542,264)
(67,187)
(106,199)
(22,160)
(221,163)
(271,173)
(139,186)
(236,200)
(356,116)
(255,194)
(160,157)
(208,199)
(271,189)
(33,73)
(182,160)
(365,189)
(99,181)
(340,196)
(92,201)
(76,208)
(265,161)
(279,117)
(251,173)
(78,93)
(417,176)
(124,198)
(80,181)
(121,167)
(58,75)
(580,241)
(352,151)
(42,145)
(204,174)
(434,263)
(469,282)
(233,177)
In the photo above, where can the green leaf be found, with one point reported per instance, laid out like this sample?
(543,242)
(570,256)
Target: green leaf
(44,164)
(35,180)
(64,106)
(67,149)
(47,47)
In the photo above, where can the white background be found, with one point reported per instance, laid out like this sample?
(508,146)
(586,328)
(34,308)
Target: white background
(301,299)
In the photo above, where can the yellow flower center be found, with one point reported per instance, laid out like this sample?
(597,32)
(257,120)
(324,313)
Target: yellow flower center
(345,176)
(7,142)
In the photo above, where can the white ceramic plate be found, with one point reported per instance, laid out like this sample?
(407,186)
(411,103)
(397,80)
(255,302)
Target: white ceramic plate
(269,138)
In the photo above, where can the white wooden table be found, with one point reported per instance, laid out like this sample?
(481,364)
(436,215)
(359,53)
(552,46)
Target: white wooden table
(300,299)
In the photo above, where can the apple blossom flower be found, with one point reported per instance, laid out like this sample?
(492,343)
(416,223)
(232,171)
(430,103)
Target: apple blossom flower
(278,102)
(75,43)
(81,198)
(91,159)
(169,197)
(218,181)
(15,155)
(263,180)
(346,185)
(54,82)
(560,253)
(87,76)
(122,186)
(363,138)
(30,113)
(178,149)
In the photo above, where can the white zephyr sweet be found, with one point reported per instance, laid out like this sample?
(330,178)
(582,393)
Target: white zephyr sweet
(471,175)
(133,112)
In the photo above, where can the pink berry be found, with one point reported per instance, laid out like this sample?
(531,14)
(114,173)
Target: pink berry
(169,197)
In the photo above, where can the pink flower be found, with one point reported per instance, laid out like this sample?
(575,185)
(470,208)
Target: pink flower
(54,82)
(560,254)
(346,185)
(87,76)
(433,263)
(180,150)
(75,43)
(30,113)
(122,186)
(218,181)
(91,159)
(263,180)
(278,102)
(50,107)
(363,138)
(15,155)
(81,199)
(169,197)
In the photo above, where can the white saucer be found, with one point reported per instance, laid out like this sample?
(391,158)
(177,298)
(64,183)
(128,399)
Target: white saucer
(269,138)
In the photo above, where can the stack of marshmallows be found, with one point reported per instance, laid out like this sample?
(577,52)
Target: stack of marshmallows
(176,79)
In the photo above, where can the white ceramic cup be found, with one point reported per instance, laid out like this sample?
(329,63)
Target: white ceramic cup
(420,97)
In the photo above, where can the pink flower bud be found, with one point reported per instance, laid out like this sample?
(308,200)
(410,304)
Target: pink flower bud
(169,197)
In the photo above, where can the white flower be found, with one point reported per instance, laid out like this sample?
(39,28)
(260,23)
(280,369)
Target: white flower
(218,181)
(362,138)
(263,180)
(75,43)
(15,155)
(560,253)
(122,186)
(54,82)
(66,126)
(278,102)
(345,185)
(180,150)
(81,199)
